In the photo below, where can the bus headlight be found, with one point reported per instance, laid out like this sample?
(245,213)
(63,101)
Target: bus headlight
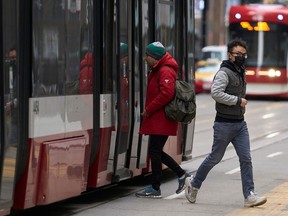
(274,73)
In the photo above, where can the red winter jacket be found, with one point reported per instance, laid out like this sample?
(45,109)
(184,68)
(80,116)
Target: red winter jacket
(86,75)
(160,91)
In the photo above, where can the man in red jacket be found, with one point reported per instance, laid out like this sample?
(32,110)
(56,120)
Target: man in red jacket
(86,74)
(160,91)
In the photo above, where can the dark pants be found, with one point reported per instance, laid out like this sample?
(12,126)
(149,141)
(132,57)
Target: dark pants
(158,156)
(224,133)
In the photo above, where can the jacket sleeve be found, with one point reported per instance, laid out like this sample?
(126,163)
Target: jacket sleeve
(166,84)
(218,87)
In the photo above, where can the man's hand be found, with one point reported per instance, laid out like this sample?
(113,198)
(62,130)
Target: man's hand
(244,102)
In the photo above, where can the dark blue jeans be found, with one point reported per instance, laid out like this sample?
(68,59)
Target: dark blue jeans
(224,133)
(158,156)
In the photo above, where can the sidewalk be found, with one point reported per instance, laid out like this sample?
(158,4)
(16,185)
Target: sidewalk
(221,194)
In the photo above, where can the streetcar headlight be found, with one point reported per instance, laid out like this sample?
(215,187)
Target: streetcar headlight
(274,73)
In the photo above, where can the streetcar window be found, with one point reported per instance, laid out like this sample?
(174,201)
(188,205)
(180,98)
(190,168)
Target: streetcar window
(165,28)
(61,37)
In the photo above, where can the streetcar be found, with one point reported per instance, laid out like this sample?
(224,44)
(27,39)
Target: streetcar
(64,131)
(265,29)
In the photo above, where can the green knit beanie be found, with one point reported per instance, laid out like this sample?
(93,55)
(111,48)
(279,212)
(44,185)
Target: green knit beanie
(156,50)
(123,50)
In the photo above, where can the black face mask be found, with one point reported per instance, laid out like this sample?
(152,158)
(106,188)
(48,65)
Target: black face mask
(239,60)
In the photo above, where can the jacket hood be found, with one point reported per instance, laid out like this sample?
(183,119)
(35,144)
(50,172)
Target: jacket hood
(87,61)
(167,60)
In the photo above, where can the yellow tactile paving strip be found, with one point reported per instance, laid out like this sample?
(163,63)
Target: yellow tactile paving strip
(276,205)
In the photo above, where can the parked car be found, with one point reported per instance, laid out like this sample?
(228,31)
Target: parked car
(214,52)
(204,74)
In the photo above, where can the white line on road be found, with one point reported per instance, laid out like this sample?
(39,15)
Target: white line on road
(274,154)
(272,135)
(270,115)
(238,168)
(174,196)
(233,171)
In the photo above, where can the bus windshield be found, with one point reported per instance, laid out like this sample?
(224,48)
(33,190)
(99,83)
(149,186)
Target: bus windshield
(265,48)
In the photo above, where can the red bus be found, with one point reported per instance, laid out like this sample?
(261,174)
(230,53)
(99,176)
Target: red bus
(265,29)
(60,137)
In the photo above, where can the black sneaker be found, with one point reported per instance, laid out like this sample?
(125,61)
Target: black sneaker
(181,182)
(149,192)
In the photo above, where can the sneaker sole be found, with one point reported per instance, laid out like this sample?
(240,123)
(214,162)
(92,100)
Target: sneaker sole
(188,196)
(256,204)
(154,197)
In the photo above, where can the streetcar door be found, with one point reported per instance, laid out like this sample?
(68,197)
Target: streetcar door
(145,33)
(156,27)
(122,102)
(9,125)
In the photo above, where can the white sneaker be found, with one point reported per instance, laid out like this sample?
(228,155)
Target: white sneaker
(190,191)
(254,200)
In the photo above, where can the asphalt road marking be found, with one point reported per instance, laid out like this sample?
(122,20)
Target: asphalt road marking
(270,115)
(238,168)
(233,171)
(273,135)
(274,154)
(175,196)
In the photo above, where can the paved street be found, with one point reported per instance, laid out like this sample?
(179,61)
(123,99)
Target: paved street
(221,193)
